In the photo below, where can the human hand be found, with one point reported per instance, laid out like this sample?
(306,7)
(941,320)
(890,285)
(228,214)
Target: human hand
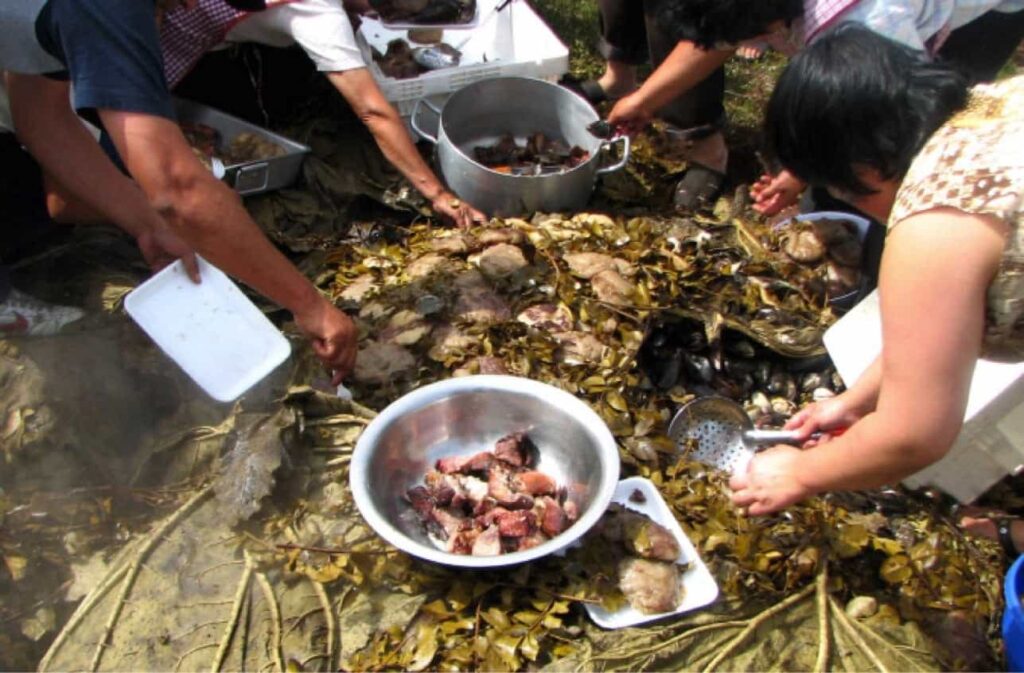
(630,114)
(773,193)
(451,207)
(160,246)
(770,482)
(829,417)
(334,337)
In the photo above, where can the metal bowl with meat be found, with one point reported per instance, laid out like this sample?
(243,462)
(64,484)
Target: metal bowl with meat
(437,430)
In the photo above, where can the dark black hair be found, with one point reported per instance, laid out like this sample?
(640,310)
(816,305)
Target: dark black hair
(714,22)
(855,98)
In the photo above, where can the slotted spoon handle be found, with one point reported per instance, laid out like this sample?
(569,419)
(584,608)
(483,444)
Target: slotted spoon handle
(765,437)
(759,437)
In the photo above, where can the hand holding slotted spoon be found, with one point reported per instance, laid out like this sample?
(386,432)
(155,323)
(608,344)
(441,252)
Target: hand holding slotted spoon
(724,435)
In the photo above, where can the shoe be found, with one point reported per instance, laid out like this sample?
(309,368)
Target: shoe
(23,315)
(588,88)
(699,187)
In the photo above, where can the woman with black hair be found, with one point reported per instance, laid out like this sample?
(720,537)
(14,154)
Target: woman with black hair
(905,140)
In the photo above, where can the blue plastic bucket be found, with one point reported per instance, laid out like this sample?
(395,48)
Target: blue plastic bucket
(1013,617)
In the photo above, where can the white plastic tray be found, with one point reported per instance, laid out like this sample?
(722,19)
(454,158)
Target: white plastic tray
(211,330)
(512,42)
(699,586)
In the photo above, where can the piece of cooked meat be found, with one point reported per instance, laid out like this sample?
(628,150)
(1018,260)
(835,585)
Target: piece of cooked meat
(442,487)
(479,462)
(534,483)
(534,539)
(421,500)
(447,524)
(638,534)
(516,524)
(515,449)
(650,586)
(552,517)
(462,542)
(501,487)
(651,540)
(572,512)
(488,542)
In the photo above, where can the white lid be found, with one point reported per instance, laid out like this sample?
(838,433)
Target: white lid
(211,330)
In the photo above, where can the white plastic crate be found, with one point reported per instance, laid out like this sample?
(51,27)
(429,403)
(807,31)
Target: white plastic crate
(512,42)
(991,443)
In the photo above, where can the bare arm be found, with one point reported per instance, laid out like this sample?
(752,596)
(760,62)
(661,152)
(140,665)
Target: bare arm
(687,66)
(42,112)
(362,93)
(935,272)
(210,216)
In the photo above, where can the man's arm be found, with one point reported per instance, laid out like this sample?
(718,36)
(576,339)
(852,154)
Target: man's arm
(42,114)
(687,66)
(210,216)
(367,101)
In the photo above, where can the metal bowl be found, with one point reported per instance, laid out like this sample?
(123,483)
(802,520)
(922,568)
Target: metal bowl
(466,415)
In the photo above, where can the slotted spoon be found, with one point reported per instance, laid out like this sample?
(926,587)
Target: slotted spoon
(724,435)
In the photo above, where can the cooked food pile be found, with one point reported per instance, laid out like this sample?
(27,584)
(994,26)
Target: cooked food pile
(207,143)
(425,12)
(646,553)
(832,242)
(492,502)
(540,156)
(402,61)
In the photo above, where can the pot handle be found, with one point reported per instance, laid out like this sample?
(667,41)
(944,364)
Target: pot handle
(413,120)
(621,162)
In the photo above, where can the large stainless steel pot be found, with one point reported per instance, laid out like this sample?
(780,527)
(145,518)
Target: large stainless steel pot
(480,113)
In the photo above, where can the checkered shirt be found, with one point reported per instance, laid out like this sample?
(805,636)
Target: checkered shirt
(187,34)
(820,14)
(973,164)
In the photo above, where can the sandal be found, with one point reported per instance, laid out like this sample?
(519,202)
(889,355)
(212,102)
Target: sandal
(698,188)
(589,89)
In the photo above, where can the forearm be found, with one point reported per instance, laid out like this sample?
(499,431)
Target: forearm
(879,449)
(211,218)
(366,99)
(41,112)
(394,142)
(687,66)
(862,397)
(203,211)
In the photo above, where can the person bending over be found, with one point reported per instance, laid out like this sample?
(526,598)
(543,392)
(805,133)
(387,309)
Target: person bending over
(323,29)
(904,139)
(108,51)
(978,36)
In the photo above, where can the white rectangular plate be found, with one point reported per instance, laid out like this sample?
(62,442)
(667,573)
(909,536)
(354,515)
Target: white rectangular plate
(699,586)
(211,330)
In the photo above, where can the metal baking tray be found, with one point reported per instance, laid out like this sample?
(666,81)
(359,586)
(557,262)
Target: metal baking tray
(250,177)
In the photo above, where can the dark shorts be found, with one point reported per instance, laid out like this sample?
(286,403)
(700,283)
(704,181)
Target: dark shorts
(111,52)
(22,203)
(631,33)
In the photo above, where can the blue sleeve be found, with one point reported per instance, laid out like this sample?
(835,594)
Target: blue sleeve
(111,49)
